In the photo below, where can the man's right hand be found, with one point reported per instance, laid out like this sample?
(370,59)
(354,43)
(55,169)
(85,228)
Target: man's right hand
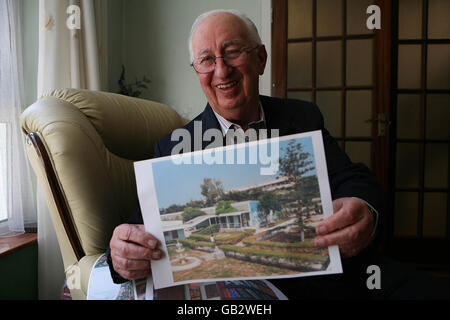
(132,248)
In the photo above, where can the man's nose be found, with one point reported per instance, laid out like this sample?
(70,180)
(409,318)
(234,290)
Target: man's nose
(221,69)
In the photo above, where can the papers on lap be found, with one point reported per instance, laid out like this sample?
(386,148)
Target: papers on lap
(101,287)
(239,212)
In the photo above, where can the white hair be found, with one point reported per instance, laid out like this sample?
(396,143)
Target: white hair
(252,30)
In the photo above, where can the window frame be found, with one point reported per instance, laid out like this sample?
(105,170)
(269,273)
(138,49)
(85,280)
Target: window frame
(4,164)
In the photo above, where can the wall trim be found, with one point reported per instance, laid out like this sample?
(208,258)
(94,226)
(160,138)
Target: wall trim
(265,86)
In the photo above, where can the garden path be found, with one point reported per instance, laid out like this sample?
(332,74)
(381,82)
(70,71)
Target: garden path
(187,266)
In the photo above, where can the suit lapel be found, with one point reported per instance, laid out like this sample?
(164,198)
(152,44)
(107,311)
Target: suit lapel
(209,121)
(272,112)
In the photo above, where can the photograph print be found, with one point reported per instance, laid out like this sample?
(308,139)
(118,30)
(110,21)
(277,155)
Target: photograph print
(228,221)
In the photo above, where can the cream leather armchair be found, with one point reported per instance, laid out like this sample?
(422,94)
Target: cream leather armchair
(81,145)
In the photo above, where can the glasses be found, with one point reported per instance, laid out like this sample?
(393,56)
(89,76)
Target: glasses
(231,58)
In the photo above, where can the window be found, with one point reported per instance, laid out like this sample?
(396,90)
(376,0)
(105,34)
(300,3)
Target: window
(3,173)
(16,189)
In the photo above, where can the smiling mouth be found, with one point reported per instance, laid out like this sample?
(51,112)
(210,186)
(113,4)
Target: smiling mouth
(227,85)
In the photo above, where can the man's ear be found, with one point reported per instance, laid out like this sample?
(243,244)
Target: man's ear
(262,59)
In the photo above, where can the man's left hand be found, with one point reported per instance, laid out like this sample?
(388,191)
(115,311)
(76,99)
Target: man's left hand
(350,227)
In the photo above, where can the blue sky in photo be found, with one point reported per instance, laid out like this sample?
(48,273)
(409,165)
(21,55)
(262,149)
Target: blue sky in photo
(179,184)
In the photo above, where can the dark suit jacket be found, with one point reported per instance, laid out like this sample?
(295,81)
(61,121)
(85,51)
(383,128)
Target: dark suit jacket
(347,179)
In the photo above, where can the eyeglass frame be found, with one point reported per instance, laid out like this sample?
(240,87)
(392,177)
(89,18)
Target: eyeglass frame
(247,51)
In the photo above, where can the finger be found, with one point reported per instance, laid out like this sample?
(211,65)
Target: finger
(120,263)
(347,214)
(136,234)
(347,251)
(157,254)
(337,204)
(352,234)
(129,250)
(133,275)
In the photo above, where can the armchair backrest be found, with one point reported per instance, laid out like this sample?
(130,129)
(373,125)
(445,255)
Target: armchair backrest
(82,145)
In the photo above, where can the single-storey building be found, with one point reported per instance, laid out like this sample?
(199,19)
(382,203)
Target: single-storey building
(246,217)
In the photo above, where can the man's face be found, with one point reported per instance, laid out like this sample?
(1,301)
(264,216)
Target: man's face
(231,91)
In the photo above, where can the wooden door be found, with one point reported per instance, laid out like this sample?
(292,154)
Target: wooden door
(384,95)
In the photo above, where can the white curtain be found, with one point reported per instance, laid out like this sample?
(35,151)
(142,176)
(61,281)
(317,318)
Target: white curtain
(68,58)
(16,188)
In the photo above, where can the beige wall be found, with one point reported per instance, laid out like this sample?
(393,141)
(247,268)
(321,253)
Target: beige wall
(155,37)
(30,21)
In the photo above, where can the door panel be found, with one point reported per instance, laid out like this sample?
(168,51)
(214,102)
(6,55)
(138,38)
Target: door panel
(328,22)
(299,19)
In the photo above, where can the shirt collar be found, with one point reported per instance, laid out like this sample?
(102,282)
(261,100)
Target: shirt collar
(226,124)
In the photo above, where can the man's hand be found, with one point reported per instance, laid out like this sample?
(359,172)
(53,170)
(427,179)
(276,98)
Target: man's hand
(132,248)
(350,227)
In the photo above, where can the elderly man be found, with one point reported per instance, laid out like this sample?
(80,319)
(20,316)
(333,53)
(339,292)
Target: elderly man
(228,58)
